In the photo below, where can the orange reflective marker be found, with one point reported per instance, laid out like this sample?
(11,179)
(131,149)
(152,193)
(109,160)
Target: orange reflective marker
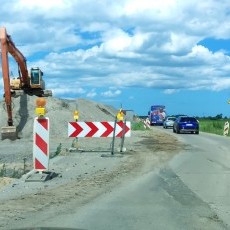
(40,110)
(76,115)
(40,102)
(120,115)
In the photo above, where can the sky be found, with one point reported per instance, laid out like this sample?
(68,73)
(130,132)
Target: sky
(128,53)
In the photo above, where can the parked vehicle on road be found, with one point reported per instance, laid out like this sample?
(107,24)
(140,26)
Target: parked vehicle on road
(168,122)
(186,125)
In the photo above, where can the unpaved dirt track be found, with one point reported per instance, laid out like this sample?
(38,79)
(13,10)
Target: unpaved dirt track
(146,150)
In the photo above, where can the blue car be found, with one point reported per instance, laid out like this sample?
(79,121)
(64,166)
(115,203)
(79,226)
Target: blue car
(186,124)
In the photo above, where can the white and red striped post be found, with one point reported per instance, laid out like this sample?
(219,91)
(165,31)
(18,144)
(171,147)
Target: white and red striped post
(147,123)
(41,144)
(226,128)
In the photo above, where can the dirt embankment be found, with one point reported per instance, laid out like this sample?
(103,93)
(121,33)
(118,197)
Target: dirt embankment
(16,156)
(146,150)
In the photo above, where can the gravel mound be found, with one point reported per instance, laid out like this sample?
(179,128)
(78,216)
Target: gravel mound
(59,111)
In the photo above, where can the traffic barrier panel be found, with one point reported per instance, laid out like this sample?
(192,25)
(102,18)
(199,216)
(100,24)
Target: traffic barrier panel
(41,144)
(98,129)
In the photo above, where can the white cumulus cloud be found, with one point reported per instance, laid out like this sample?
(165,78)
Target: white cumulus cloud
(111,93)
(124,43)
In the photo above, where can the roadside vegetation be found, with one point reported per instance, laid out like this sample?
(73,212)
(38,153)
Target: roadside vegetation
(139,124)
(213,125)
(14,171)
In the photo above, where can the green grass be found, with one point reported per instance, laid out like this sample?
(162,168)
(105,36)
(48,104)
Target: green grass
(138,126)
(212,126)
(206,125)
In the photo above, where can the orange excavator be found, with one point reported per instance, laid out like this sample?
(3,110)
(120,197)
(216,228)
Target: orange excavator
(26,83)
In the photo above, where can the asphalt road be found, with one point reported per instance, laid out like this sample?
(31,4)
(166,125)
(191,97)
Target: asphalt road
(190,192)
(205,169)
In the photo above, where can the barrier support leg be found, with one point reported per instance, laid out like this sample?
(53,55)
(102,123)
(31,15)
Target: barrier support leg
(123,137)
(114,133)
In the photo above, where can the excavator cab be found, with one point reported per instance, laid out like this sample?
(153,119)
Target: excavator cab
(36,78)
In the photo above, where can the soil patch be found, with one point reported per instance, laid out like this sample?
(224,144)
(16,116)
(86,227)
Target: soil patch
(146,150)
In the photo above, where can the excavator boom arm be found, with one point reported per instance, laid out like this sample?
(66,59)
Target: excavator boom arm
(15,52)
(5,74)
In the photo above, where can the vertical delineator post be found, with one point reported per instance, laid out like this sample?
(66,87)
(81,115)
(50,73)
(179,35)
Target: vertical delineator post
(123,136)
(41,137)
(226,128)
(75,143)
(114,135)
(41,144)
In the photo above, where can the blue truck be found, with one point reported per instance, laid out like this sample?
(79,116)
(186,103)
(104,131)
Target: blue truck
(157,114)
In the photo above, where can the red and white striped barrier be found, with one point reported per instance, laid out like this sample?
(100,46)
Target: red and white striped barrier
(147,123)
(226,128)
(98,129)
(41,144)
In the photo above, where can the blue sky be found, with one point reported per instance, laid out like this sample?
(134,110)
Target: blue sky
(129,52)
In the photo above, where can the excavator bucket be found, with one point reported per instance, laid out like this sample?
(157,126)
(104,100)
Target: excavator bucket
(9,132)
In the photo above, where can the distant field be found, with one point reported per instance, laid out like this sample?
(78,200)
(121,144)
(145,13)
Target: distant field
(212,126)
(206,125)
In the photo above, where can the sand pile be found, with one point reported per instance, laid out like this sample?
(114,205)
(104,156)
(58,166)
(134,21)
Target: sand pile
(60,112)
